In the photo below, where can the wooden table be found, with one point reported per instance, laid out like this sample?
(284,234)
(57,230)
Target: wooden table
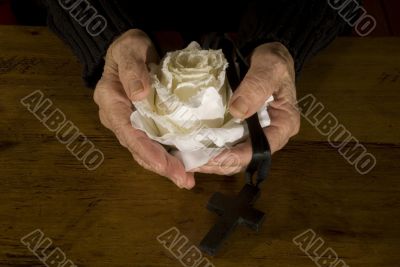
(112,216)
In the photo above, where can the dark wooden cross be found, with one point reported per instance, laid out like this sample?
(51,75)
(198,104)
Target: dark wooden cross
(238,210)
(232,211)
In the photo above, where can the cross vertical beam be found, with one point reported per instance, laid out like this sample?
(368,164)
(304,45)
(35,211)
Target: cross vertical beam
(232,212)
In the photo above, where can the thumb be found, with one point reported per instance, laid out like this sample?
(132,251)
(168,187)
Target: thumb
(251,94)
(129,55)
(134,77)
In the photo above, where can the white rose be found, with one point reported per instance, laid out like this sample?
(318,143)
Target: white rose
(187,108)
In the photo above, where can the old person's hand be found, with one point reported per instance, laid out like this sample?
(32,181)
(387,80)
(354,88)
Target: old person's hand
(271,73)
(126,79)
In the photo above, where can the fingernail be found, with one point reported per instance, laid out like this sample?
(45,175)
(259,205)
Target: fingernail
(136,88)
(240,106)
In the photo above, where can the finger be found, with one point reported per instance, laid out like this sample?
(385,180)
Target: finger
(252,93)
(190,180)
(239,155)
(103,119)
(115,110)
(228,171)
(230,161)
(154,157)
(109,91)
(130,55)
(285,123)
(276,138)
(134,77)
(145,151)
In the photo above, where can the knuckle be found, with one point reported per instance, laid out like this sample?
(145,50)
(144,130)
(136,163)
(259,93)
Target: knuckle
(230,164)
(296,125)
(133,43)
(233,170)
(141,162)
(285,128)
(277,55)
(132,37)
(158,166)
(98,92)
(283,143)
(103,120)
(295,122)
(135,33)
(96,97)
(170,167)
(119,133)
(283,139)
(109,51)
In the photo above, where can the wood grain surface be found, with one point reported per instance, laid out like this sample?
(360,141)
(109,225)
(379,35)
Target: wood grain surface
(112,216)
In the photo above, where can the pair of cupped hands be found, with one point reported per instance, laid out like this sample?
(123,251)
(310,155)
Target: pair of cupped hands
(126,79)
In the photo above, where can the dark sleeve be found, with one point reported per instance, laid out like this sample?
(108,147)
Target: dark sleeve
(303,26)
(88,27)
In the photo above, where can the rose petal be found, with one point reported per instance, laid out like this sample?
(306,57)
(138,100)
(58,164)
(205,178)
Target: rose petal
(187,106)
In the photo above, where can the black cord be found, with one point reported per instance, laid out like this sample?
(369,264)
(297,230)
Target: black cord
(261,156)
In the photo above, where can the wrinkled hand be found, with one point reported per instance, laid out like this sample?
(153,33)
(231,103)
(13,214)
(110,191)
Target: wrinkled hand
(126,79)
(271,73)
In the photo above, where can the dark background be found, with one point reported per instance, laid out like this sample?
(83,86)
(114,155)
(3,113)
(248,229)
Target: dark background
(28,12)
